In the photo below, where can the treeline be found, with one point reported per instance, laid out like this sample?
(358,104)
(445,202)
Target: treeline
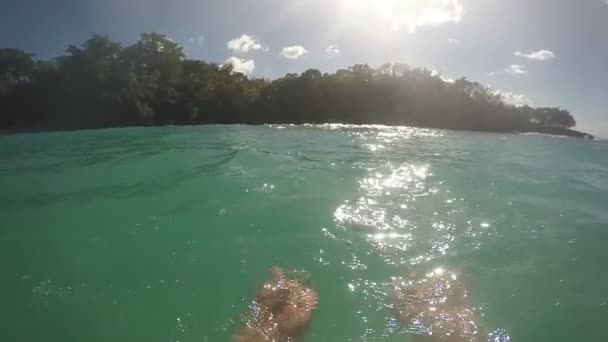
(103,84)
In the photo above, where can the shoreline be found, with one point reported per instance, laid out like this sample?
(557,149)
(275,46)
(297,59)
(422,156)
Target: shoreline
(541,130)
(564,132)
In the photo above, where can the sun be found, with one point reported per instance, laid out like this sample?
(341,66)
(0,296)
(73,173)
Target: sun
(397,15)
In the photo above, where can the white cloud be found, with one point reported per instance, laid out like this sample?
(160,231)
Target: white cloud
(197,40)
(293,52)
(540,55)
(240,65)
(517,69)
(397,15)
(334,50)
(454,41)
(513,99)
(435,73)
(492,73)
(244,44)
(418,13)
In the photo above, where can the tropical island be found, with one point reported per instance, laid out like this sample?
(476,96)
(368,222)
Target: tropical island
(102,84)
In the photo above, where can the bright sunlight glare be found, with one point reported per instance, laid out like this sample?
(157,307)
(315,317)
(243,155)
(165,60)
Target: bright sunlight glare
(396,15)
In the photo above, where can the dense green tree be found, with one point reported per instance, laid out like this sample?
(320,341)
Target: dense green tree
(102,84)
(89,76)
(23,95)
(151,70)
(16,67)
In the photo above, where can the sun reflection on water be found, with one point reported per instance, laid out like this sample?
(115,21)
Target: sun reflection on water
(408,217)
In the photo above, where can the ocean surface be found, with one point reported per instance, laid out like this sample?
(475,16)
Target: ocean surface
(164,234)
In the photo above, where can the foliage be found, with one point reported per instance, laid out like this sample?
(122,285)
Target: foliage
(103,84)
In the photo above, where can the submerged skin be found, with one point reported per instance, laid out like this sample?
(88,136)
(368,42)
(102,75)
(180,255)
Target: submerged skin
(436,307)
(281,312)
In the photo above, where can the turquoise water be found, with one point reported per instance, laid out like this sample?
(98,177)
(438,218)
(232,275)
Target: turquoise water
(163,234)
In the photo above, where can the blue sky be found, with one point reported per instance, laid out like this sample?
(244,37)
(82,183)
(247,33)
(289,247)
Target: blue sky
(541,52)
